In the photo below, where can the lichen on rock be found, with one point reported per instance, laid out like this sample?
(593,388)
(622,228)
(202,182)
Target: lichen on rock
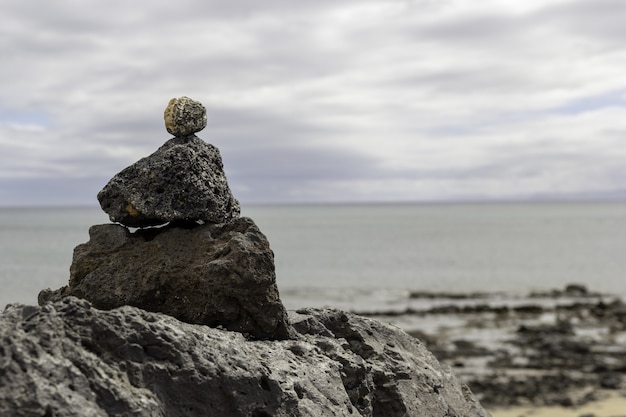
(184,116)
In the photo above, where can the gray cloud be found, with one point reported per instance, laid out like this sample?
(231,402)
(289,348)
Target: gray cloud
(324,100)
(582,19)
(259,174)
(51,191)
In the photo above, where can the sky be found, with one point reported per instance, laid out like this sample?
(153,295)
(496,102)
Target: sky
(320,101)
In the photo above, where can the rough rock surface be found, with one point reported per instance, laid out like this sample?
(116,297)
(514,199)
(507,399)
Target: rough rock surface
(183,180)
(69,359)
(184,116)
(213,274)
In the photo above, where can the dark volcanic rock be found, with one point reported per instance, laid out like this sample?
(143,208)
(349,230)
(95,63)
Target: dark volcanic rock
(70,359)
(183,180)
(213,274)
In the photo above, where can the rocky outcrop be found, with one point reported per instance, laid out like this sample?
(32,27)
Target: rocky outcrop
(213,274)
(185,319)
(183,180)
(69,359)
(558,347)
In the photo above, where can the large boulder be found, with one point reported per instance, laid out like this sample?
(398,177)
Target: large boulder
(183,180)
(70,359)
(214,274)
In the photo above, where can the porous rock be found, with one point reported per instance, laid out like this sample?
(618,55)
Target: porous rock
(213,274)
(68,359)
(183,180)
(184,116)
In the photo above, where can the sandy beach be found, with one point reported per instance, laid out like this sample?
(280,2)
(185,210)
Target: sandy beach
(614,405)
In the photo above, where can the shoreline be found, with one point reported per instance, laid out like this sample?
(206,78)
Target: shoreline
(560,348)
(614,405)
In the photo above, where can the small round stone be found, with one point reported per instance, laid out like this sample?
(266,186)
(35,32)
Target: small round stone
(184,116)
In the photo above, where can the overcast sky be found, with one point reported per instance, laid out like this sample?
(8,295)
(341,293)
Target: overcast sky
(323,100)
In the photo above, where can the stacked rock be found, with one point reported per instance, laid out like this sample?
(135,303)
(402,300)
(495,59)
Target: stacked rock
(183,180)
(206,265)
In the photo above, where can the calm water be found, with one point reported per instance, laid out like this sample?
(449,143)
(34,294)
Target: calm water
(369,256)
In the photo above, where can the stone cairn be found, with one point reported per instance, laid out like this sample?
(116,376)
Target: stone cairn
(204,264)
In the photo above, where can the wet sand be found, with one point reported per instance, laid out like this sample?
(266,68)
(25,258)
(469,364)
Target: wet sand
(613,406)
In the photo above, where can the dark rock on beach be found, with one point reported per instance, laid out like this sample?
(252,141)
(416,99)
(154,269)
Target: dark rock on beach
(570,291)
(560,347)
(183,180)
(69,358)
(213,274)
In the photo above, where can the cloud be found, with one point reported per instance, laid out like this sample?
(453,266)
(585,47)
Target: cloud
(354,100)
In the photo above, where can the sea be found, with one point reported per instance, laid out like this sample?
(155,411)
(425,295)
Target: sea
(370,256)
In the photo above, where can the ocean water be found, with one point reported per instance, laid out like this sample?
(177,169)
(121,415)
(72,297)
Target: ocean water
(367,257)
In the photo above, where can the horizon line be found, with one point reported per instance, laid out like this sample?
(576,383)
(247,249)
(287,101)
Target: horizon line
(452,201)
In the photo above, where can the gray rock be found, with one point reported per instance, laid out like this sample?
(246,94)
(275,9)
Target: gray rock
(214,274)
(183,180)
(184,116)
(70,359)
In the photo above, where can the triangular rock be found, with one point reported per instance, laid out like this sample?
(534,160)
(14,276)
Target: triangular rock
(183,180)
